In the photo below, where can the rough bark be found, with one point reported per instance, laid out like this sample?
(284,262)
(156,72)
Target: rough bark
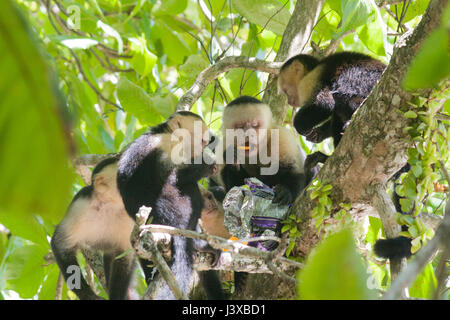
(374,146)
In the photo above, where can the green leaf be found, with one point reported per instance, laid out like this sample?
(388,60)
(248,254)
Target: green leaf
(170,6)
(165,105)
(189,70)
(374,229)
(143,60)
(425,284)
(35,176)
(354,14)
(334,271)
(417,170)
(373,33)
(410,114)
(285,228)
(110,31)
(268,13)
(414,8)
(48,289)
(432,63)
(137,102)
(174,45)
(24,271)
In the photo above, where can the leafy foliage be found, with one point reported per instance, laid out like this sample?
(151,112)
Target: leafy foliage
(334,271)
(90,76)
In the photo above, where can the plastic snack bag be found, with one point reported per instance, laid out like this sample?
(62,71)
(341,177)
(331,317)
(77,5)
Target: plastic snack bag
(249,212)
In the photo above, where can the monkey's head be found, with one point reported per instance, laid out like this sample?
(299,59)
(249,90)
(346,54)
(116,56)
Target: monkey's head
(291,73)
(104,181)
(246,117)
(189,129)
(213,215)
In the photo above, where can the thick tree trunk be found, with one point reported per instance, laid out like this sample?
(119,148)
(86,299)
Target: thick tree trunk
(374,146)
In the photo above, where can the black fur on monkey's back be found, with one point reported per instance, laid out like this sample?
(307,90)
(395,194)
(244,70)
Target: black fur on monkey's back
(346,79)
(146,177)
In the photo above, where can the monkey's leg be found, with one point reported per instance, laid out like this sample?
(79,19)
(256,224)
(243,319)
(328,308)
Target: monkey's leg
(108,259)
(121,275)
(68,264)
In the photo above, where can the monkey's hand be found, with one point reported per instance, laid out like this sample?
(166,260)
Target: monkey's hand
(212,169)
(313,136)
(203,246)
(283,195)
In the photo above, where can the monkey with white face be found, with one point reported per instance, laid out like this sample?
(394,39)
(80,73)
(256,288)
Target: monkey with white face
(97,219)
(246,115)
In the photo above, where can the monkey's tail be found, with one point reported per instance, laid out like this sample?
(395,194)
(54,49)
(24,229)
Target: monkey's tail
(395,248)
(181,267)
(400,247)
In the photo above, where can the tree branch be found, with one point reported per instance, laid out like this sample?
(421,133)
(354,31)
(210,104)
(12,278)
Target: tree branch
(374,146)
(147,249)
(213,72)
(383,204)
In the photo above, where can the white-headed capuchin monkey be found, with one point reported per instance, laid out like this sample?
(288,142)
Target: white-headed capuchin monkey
(278,163)
(96,219)
(328,92)
(158,170)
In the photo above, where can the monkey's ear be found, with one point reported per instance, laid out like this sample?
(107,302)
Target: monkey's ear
(174,124)
(298,68)
(100,184)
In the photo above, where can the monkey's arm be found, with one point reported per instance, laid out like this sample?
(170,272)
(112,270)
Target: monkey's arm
(68,264)
(195,172)
(290,186)
(311,165)
(318,114)
(233,176)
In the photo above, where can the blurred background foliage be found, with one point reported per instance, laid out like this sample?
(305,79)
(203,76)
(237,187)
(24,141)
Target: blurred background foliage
(88,77)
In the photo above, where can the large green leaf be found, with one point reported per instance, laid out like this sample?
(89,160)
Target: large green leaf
(373,33)
(189,70)
(268,13)
(432,63)
(48,289)
(354,14)
(137,102)
(143,60)
(35,176)
(425,284)
(334,271)
(25,271)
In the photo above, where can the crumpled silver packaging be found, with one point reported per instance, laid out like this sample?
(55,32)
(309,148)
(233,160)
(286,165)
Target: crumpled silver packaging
(254,199)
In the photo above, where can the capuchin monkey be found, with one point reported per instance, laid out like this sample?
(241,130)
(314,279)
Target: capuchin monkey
(96,219)
(157,171)
(213,215)
(251,139)
(328,92)
(250,121)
